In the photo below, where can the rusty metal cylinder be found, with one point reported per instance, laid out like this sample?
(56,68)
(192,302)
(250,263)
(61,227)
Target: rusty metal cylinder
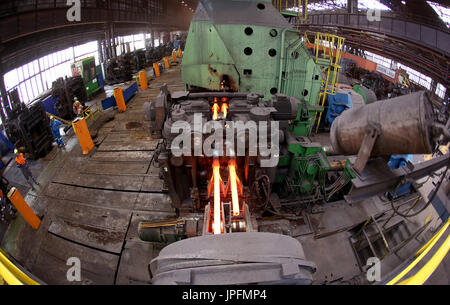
(405,124)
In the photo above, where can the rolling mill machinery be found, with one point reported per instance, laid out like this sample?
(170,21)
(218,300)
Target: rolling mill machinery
(64,90)
(27,127)
(236,146)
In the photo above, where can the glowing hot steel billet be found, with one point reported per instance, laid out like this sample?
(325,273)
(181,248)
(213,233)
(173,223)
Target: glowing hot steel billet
(217,207)
(234,190)
(224,110)
(215,110)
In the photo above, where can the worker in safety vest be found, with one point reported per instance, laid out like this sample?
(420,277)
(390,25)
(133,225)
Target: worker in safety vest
(78,108)
(23,166)
(55,125)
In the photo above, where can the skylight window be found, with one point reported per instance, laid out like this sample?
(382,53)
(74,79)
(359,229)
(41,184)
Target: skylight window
(443,12)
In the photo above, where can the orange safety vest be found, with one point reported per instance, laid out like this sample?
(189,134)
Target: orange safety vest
(21,160)
(78,107)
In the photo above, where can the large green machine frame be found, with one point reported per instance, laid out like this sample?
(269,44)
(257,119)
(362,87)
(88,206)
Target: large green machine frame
(86,68)
(250,45)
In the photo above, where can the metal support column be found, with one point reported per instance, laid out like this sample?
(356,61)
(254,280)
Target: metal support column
(100,51)
(4,105)
(352,6)
(113,39)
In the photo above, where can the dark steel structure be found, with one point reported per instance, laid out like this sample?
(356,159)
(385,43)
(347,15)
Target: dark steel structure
(422,47)
(32,29)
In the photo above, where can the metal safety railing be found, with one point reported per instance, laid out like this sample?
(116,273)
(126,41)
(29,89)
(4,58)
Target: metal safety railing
(327,49)
(421,276)
(11,275)
(89,113)
(294,8)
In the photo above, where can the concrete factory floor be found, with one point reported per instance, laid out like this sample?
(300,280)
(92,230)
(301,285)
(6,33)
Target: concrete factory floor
(91,206)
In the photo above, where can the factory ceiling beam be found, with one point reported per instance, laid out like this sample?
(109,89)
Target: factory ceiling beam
(420,10)
(427,48)
(33,29)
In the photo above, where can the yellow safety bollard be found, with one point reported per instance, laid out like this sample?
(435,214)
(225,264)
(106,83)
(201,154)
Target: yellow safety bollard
(83,135)
(23,208)
(180,53)
(118,94)
(143,80)
(174,57)
(156,67)
(166,61)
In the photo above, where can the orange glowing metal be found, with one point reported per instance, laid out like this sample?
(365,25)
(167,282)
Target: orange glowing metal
(234,191)
(217,208)
(224,110)
(215,110)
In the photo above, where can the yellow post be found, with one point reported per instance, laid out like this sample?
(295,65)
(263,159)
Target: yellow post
(118,94)
(166,61)
(143,80)
(83,135)
(174,57)
(180,53)
(156,67)
(23,208)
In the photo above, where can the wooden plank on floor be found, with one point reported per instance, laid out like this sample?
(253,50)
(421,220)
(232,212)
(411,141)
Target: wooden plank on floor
(107,182)
(89,235)
(131,136)
(97,267)
(89,215)
(153,169)
(127,146)
(127,125)
(123,156)
(153,184)
(101,198)
(117,167)
(133,266)
(156,202)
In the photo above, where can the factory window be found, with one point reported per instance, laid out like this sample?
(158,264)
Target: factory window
(385,62)
(37,76)
(414,76)
(441,90)
(417,77)
(136,42)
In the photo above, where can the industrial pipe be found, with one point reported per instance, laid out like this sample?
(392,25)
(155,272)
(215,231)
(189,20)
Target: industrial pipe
(405,122)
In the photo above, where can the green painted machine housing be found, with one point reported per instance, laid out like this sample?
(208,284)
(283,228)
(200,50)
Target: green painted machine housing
(248,46)
(306,165)
(86,68)
(251,47)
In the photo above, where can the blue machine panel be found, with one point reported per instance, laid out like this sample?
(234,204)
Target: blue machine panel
(398,161)
(336,105)
(49,104)
(127,95)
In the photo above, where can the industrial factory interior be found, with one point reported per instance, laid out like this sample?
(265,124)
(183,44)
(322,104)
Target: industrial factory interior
(227,143)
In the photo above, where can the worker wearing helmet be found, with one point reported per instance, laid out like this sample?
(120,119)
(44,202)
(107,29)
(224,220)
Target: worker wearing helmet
(77,108)
(23,166)
(55,125)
